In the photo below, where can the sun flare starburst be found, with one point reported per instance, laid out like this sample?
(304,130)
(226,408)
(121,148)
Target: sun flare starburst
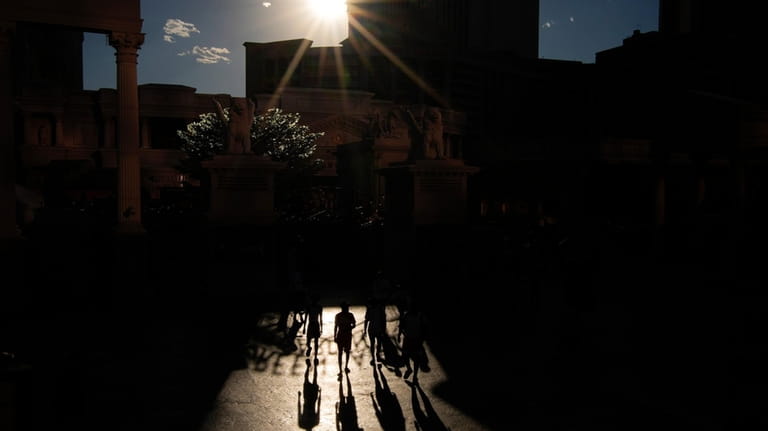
(328,9)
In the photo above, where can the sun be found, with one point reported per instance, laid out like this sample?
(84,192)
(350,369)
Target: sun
(328,9)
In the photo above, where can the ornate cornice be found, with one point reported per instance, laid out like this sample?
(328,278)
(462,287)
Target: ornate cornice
(344,123)
(122,40)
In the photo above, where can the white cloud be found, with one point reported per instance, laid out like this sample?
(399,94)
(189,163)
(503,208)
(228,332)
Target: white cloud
(210,55)
(183,53)
(547,24)
(179,28)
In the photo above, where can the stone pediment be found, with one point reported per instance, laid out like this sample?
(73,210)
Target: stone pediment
(339,129)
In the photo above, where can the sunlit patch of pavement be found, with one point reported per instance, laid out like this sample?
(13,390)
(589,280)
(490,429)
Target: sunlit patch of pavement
(265,394)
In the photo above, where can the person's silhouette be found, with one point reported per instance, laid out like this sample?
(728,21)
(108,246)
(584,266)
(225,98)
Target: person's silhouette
(381,287)
(344,322)
(290,336)
(385,404)
(426,419)
(413,329)
(314,326)
(292,307)
(346,411)
(376,327)
(309,414)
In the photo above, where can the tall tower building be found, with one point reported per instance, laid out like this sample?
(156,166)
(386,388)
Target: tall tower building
(459,25)
(712,17)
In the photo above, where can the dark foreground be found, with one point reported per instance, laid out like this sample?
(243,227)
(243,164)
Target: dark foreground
(592,333)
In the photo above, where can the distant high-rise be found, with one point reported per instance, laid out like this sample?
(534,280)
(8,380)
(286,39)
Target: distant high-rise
(712,17)
(476,25)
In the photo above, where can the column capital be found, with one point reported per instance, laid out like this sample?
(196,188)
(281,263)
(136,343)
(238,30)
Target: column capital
(126,41)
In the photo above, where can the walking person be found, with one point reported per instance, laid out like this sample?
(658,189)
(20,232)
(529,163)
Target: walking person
(314,325)
(289,342)
(413,329)
(343,323)
(375,326)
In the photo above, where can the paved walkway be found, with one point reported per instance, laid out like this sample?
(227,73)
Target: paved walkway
(274,391)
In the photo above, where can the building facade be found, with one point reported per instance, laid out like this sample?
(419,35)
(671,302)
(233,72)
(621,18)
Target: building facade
(669,117)
(33,63)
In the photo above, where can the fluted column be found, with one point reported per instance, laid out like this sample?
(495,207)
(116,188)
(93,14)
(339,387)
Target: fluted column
(145,137)
(109,133)
(660,198)
(128,164)
(8,228)
(58,132)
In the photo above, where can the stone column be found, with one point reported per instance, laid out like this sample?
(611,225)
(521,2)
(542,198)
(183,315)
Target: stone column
(109,133)
(8,228)
(145,138)
(661,198)
(58,133)
(737,226)
(128,165)
(701,184)
(660,212)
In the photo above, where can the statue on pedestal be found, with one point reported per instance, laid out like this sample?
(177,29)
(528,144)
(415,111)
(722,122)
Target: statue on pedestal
(426,133)
(238,132)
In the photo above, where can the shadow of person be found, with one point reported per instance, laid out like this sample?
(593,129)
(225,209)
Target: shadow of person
(385,404)
(309,414)
(426,418)
(346,412)
(393,360)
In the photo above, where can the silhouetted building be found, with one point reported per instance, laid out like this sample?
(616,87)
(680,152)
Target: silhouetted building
(455,55)
(42,73)
(694,93)
(458,25)
(552,137)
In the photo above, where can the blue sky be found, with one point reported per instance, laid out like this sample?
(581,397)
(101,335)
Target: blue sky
(199,43)
(577,29)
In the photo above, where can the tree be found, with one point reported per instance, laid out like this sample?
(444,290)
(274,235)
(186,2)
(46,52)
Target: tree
(278,132)
(283,140)
(204,138)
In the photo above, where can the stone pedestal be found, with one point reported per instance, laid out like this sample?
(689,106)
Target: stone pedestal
(427,192)
(242,189)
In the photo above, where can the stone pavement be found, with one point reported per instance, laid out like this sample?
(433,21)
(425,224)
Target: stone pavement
(270,393)
(628,344)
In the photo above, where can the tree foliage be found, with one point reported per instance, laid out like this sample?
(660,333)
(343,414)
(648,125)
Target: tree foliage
(283,140)
(278,132)
(203,138)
